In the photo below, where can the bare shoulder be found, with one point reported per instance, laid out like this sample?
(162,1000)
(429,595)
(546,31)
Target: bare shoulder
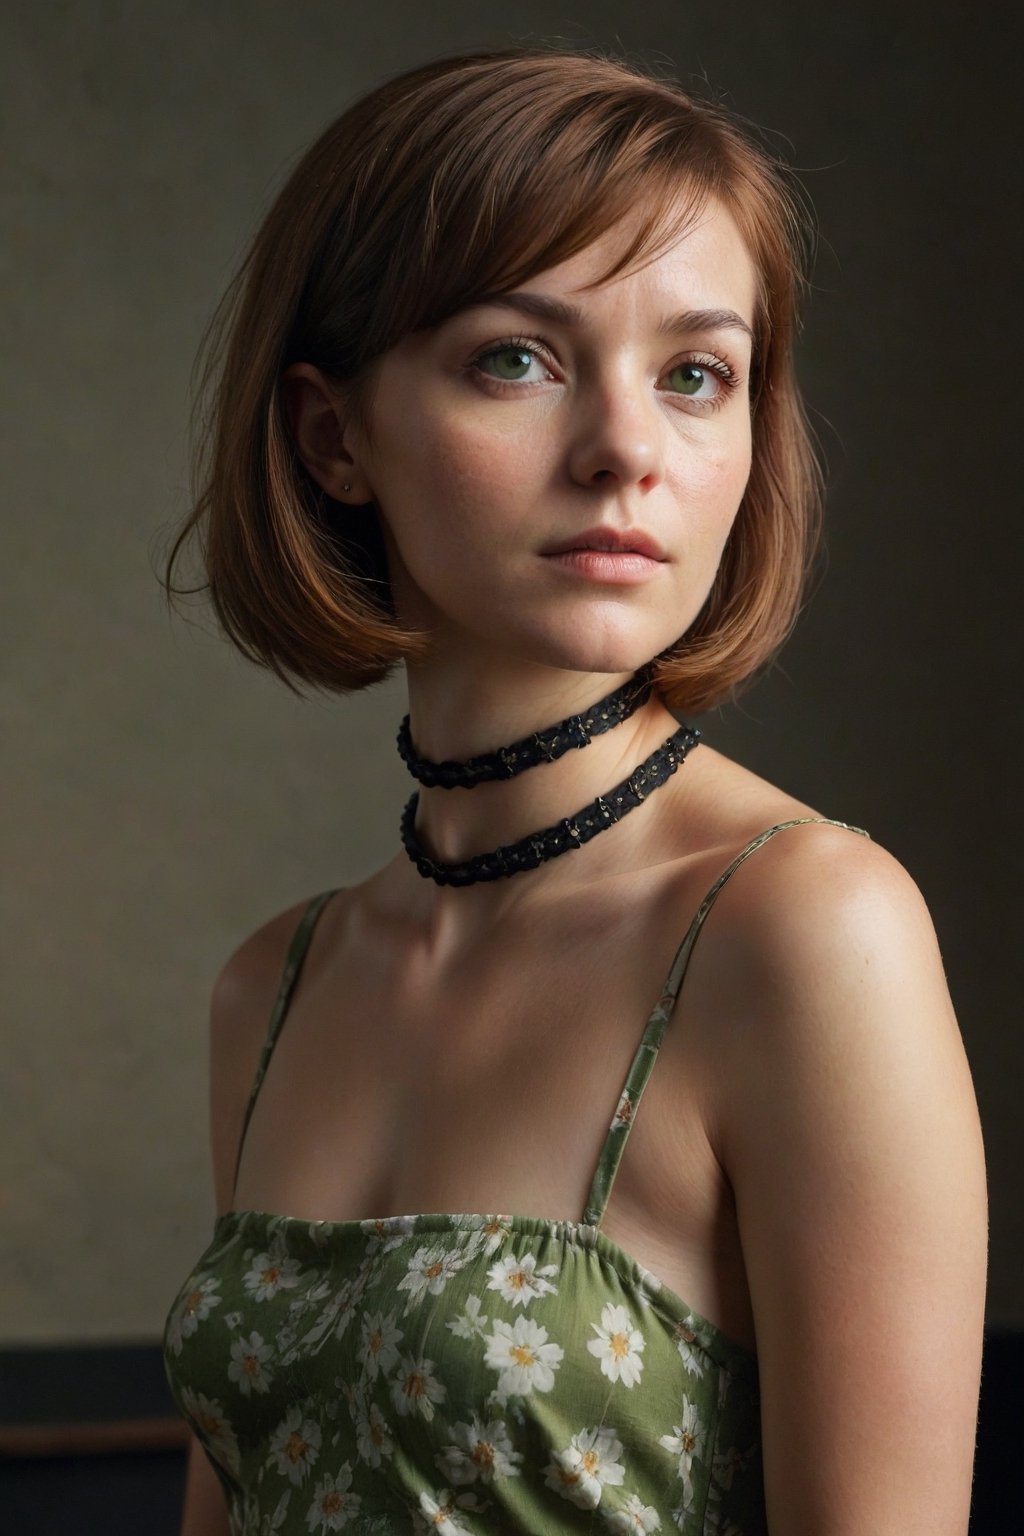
(827,971)
(241,1003)
(817,912)
(814,870)
(808,872)
(247,983)
(251,975)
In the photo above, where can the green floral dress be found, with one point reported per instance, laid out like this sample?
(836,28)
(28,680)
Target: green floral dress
(464,1373)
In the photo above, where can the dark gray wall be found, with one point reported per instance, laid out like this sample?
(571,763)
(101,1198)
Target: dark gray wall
(164,798)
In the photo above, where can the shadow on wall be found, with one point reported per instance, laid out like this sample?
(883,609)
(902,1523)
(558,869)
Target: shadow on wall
(91,1445)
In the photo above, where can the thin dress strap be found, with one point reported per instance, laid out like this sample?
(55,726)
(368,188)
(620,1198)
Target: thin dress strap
(297,950)
(647,1051)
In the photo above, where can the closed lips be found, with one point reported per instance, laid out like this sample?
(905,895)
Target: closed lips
(612,543)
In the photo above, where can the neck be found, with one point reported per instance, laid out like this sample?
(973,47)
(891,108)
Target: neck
(472,710)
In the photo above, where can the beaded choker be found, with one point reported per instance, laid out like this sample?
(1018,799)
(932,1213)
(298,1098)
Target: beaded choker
(540,747)
(572,832)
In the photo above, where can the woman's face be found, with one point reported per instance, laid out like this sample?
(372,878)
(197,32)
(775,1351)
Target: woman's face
(551,417)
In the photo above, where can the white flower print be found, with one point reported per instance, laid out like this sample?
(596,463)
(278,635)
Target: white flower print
(294,1445)
(439,1513)
(416,1389)
(193,1308)
(249,1365)
(580,1472)
(213,1428)
(334,1318)
(271,1523)
(523,1355)
(688,1344)
(623,1112)
(479,1450)
(519,1280)
(430,1269)
(469,1324)
(635,1516)
(687,1505)
(685,1439)
(487,1233)
(232,1319)
(387,1232)
(333,1505)
(311,1296)
(379,1339)
(618,1345)
(574,1234)
(373,1440)
(269,1273)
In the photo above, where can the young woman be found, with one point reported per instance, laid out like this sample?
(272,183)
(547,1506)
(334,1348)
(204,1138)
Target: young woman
(506,396)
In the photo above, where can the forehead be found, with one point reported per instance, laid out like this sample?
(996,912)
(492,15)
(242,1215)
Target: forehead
(705,262)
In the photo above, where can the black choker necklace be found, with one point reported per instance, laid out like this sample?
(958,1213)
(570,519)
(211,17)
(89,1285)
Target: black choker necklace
(540,747)
(573,832)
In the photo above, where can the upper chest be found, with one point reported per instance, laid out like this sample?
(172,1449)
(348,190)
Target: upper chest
(489,1085)
(525,1035)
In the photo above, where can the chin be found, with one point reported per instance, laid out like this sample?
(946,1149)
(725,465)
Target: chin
(607,638)
(606,653)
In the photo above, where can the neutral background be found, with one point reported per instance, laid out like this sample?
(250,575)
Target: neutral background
(162,798)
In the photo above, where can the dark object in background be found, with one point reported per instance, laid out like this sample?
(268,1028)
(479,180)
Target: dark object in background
(998,1475)
(91,1445)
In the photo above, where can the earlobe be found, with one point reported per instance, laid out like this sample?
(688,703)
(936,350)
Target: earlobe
(315,413)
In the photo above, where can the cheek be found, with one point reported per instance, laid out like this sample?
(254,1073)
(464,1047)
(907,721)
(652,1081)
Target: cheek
(448,459)
(734,475)
(713,481)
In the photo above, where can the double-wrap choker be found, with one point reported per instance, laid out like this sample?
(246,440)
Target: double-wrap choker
(572,832)
(543,746)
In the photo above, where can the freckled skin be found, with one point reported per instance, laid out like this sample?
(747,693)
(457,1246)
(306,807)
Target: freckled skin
(474,475)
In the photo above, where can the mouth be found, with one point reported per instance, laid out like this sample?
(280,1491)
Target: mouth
(610,541)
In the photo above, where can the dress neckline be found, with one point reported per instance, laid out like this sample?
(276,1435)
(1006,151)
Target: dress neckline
(700,1331)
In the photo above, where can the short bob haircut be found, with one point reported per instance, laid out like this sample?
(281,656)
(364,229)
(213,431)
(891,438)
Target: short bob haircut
(461,178)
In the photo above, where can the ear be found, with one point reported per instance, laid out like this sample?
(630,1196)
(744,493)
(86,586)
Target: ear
(315,410)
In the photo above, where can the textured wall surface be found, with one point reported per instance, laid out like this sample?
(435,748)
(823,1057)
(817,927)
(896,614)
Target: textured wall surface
(162,798)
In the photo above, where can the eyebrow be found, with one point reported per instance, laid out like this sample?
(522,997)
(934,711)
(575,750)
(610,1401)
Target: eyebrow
(687,321)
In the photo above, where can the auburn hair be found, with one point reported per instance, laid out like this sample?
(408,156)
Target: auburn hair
(465,177)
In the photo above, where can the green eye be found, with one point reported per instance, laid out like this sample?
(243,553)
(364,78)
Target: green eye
(509,362)
(690,378)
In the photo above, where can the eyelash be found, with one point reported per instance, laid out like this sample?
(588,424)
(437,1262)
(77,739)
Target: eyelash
(532,344)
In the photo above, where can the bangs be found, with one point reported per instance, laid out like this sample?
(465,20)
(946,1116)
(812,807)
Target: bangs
(538,217)
(519,180)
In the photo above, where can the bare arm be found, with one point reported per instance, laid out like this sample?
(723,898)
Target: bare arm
(204,1512)
(243,996)
(850,1135)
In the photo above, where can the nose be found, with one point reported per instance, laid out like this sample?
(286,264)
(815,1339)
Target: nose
(617,436)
